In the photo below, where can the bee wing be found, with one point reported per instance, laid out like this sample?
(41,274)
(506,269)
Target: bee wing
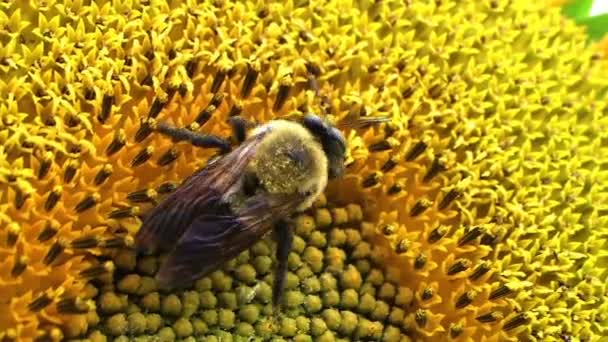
(199,194)
(212,240)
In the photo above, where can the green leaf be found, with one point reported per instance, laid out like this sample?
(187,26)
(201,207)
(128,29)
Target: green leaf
(576,9)
(597,27)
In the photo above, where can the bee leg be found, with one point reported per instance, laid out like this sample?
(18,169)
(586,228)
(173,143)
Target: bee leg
(197,139)
(284,236)
(239,127)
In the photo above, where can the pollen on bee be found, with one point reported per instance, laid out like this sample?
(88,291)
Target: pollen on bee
(54,251)
(146,127)
(104,172)
(87,203)
(142,156)
(70,171)
(53,198)
(40,303)
(416,151)
(458,266)
(142,196)
(470,235)
(119,140)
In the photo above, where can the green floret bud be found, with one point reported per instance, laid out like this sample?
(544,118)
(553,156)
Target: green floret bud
(246,273)
(211,339)
(317,326)
(404,296)
(313,303)
(298,244)
(166,334)
(323,217)
(293,261)
(387,292)
(331,298)
(311,285)
(302,338)
(368,288)
(207,300)
(364,266)
(334,260)
(137,323)
(303,324)
(350,278)
(350,299)
(110,302)
(288,327)
(199,327)
(117,324)
(391,334)
(221,281)
(264,328)
(260,248)
(327,336)
(191,301)
(147,285)
(353,237)
(182,327)
(332,318)
(249,313)
(392,274)
(349,322)
(97,336)
(243,257)
(245,329)
(293,299)
(361,251)
(121,339)
(328,282)
(129,283)
(210,317)
(228,300)
(153,323)
(264,292)
(203,284)
(337,237)
(263,264)
(314,258)
(365,329)
(381,311)
(375,277)
(305,225)
(367,303)
(292,281)
(226,319)
(171,305)
(304,272)
(245,294)
(317,239)
(396,316)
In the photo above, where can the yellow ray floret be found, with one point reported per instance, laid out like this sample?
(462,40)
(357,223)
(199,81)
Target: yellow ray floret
(477,214)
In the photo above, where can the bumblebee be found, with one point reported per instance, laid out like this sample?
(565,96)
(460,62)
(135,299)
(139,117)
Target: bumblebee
(279,169)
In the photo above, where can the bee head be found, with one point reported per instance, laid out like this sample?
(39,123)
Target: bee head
(332,140)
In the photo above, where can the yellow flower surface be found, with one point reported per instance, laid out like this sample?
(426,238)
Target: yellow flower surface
(477,214)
